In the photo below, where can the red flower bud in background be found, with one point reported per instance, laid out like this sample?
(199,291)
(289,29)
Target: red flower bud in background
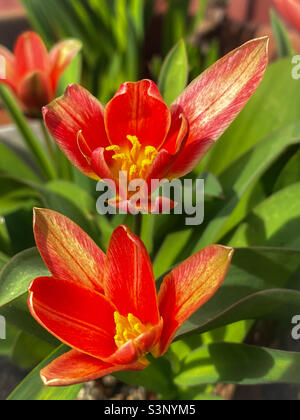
(137,133)
(105,307)
(33,73)
(290,10)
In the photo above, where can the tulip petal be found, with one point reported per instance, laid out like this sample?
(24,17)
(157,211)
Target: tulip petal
(138,109)
(290,10)
(102,163)
(77,112)
(8,66)
(79,317)
(177,135)
(74,368)
(34,91)
(190,286)
(60,57)
(216,97)
(68,252)
(31,54)
(129,281)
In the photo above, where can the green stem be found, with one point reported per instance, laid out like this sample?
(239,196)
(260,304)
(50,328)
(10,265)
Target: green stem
(29,138)
(49,143)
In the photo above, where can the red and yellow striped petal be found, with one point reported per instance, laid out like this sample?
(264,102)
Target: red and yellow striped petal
(190,286)
(213,100)
(79,317)
(74,368)
(31,54)
(129,281)
(68,252)
(60,57)
(137,109)
(77,112)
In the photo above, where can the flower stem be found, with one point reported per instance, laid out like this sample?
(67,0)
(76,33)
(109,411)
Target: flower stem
(29,138)
(48,142)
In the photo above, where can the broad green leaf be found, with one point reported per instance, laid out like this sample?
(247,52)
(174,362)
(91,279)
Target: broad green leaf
(32,387)
(283,42)
(239,364)
(274,222)
(213,187)
(72,192)
(174,74)
(290,173)
(273,106)
(7,345)
(11,164)
(253,289)
(15,278)
(29,351)
(59,197)
(170,251)
(3,260)
(243,174)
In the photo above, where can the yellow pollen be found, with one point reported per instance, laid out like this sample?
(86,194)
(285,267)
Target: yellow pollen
(127,329)
(135,158)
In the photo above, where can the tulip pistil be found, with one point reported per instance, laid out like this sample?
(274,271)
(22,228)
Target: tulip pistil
(128,328)
(135,160)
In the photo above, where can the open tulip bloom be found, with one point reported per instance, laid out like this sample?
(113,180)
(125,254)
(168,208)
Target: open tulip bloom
(105,307)
(33,73)
(137,133)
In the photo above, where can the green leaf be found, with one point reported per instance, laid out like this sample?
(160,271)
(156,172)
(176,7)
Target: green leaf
(253,289)
(15,279)
(67,199)
(213,187)
(273,106)
(239,364)
(274,222)
(73,193)
(16,276)
(170,251)
(11,164)
(7,345)
(29,351)
(32,387)
(174,74)
(283,42)
(243,174)
(290,174)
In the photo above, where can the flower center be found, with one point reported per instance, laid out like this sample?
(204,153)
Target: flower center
(127,329)
(136,160)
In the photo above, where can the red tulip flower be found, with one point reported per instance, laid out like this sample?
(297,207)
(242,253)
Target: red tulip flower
(105,307)
(290,10)
(138,134)
(32,73)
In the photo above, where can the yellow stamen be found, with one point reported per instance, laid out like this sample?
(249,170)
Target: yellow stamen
(128,328)
(114,148)
(136,161)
